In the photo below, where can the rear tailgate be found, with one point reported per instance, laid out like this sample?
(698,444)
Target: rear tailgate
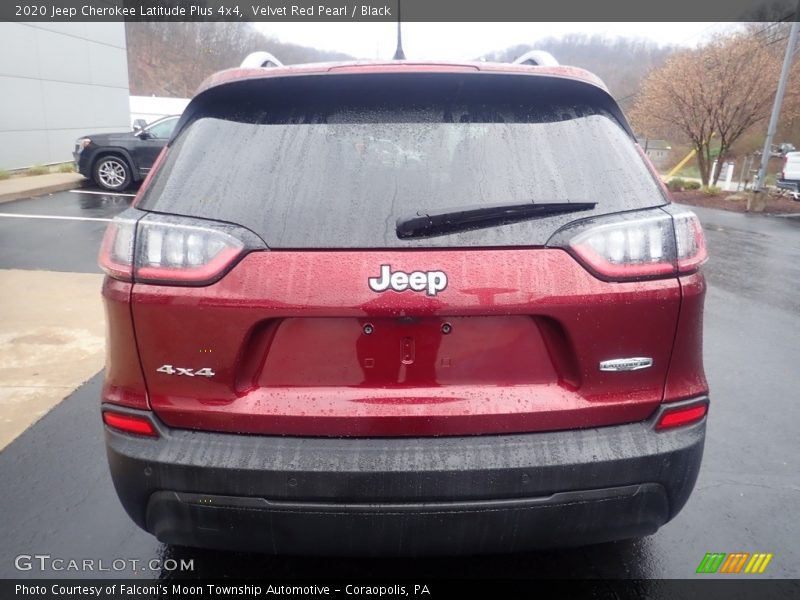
(284,334)
(293,340)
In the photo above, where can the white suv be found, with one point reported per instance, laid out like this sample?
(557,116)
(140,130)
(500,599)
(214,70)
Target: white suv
(790,174)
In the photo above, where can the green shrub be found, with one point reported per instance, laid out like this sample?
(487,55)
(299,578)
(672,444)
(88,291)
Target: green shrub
(37,170)
(66,168)
(676,184)
(712,190)
(692,185)
(4,175)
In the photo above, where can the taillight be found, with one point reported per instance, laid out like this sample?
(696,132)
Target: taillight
(130,424)
(637,245)
(169,250)
(116,250)
(174,250)
(690,241)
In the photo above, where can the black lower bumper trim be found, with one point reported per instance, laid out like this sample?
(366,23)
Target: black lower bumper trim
(475,494)
(259,525)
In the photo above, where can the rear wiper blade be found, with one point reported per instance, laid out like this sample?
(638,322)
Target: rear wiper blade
(426,223)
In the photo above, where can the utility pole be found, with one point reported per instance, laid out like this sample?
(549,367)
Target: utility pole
(398,53)
(776,107)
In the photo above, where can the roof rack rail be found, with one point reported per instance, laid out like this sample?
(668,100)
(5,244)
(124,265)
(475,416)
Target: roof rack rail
(260,59)
(537,58)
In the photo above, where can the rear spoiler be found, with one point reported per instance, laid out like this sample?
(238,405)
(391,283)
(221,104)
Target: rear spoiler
(282,89)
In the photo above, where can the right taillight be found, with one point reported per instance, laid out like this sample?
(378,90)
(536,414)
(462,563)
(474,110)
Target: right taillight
(689,240)
(173,250)
(632,246)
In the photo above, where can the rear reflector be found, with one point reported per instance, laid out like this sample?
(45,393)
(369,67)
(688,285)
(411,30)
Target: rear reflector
(129,424)
(639,245)
(681,416)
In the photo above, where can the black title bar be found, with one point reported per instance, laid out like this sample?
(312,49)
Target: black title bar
(412,10)
(192,589)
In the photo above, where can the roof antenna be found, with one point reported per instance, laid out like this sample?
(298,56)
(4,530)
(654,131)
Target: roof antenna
(399,54)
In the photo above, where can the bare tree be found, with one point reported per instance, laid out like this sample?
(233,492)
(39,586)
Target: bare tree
(710,96)
(791,101)
(172,59)
(622,63)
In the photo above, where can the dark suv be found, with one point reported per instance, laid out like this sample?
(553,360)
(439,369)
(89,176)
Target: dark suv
(403,309)
(116,160)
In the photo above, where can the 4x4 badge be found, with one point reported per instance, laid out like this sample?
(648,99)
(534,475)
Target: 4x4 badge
(431,282)
(170,370)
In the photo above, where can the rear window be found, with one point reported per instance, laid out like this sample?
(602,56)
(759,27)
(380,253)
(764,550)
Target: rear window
(333,161)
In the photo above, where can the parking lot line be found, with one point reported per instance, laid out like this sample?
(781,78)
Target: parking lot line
(101,193)
(56,217)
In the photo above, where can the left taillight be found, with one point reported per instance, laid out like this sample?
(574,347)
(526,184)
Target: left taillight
(162,249)
(116,250)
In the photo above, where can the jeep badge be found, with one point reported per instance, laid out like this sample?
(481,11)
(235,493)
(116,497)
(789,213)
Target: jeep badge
(431,282)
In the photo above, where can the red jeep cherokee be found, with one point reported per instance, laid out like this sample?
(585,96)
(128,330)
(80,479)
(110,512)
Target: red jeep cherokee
(403,309)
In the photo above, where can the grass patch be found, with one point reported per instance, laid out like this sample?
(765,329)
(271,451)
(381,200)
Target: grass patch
(4,175)
(690,171)
(66,168)
(37,170)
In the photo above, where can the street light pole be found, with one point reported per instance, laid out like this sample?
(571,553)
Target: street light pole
(776,107)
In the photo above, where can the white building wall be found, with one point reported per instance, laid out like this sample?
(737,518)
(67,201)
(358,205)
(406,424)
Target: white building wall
(59,81)
(151,108)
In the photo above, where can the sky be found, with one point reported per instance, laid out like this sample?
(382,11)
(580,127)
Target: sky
(465,41)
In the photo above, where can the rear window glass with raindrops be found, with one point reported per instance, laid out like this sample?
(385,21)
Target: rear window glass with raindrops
(333,161)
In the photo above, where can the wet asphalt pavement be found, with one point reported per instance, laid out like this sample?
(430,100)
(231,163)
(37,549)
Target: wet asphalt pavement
(56,496)
(56,244)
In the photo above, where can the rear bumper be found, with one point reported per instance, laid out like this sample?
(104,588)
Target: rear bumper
(405,496)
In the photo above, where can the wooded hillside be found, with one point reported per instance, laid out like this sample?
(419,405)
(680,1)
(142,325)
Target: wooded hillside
(170,59)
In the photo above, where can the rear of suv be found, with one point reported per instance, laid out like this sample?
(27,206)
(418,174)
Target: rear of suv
(790,174)
(403,309)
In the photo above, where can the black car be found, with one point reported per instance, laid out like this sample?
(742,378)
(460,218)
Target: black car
(115,160)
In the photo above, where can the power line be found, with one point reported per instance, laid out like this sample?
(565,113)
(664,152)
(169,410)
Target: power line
(699,33)
(770,26)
